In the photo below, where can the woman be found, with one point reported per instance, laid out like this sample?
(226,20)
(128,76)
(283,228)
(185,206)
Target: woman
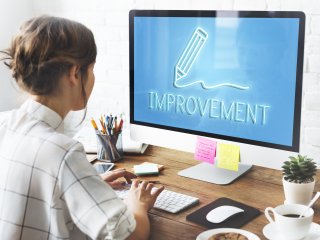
(48,190)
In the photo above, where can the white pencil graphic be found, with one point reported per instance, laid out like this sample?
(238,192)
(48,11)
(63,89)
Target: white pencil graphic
(190,53)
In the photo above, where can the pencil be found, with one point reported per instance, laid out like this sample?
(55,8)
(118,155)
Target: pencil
(94,124)
(104,131)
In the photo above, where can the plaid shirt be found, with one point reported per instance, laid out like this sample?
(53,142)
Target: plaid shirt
(48,189)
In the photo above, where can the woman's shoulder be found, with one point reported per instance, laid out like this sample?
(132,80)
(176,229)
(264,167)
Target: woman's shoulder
(64,148)
(65,142)
(4,116)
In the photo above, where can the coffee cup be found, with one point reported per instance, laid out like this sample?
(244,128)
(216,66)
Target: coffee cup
(287,222)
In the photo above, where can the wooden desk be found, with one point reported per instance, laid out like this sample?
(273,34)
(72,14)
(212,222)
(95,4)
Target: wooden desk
(260,188)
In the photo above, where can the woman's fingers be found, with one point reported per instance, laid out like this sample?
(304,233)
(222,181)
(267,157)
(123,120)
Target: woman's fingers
(135,184)
(118,173)
(144,184)
(158,191)
(117,184)
(128,176)
(149,187)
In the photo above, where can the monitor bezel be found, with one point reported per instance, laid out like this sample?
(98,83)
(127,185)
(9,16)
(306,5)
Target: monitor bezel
(295,146)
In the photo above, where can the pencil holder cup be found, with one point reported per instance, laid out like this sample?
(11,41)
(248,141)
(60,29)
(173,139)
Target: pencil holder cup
(109,147)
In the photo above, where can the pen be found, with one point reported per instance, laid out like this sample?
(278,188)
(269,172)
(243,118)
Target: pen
(155,182)
(111,122)
(107,121)
(115,122)
(140,181)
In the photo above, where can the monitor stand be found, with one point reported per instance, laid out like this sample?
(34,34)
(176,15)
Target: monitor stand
(210,173)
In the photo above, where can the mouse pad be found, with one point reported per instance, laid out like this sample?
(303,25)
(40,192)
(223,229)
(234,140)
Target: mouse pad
(235,221)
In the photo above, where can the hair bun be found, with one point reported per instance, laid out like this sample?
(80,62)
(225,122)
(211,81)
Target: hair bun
(45,49)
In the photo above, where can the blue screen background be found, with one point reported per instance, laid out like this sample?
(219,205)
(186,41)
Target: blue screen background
(260,53)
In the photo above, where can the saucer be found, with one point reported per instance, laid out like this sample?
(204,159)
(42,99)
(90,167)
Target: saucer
(270,232)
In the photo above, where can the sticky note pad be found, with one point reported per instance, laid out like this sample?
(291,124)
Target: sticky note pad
(205,150)
(160,167)
(228,156)
(146,169)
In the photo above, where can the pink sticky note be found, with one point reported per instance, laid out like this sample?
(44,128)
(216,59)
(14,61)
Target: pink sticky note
(205,150)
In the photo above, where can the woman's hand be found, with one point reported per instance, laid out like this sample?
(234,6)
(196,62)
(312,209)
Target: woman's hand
(141,197)
(113,177)
(140,200)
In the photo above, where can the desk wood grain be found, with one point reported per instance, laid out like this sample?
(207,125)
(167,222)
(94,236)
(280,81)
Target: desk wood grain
(259,188)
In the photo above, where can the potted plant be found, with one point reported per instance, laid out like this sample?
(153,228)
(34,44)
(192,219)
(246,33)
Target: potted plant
(298,179)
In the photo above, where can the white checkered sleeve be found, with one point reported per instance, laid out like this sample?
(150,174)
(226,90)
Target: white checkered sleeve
(92,204)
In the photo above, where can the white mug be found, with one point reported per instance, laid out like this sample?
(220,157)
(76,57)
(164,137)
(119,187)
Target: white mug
(291,228)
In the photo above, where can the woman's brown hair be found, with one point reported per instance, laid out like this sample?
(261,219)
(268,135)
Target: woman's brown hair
(45,49)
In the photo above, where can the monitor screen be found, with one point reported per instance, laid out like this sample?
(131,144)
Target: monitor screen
(228,75)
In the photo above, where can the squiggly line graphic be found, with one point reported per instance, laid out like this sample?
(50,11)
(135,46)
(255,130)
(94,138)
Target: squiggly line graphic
(204,86)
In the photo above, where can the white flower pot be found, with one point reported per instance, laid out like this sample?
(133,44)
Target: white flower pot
(300,193)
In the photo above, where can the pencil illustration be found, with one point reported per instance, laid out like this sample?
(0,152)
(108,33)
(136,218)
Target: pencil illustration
(190,53)
(188,57)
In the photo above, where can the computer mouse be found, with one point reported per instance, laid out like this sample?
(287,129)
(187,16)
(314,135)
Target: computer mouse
(221,213)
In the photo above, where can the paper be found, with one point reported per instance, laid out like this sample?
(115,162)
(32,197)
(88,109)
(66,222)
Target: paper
(228,156)
(205,150)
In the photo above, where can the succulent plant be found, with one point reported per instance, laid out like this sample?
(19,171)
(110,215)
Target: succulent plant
(299,169)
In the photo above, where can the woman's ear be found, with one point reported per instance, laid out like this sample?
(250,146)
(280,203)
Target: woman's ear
(75,75)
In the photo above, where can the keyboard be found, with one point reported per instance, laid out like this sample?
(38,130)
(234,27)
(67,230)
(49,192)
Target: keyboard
(168,201)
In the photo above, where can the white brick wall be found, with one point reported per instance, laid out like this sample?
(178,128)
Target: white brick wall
(273,4)
(109,21)
(315,24)
(292,5)
(250,5)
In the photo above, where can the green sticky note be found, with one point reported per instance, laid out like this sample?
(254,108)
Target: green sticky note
(228,156)
(146,169)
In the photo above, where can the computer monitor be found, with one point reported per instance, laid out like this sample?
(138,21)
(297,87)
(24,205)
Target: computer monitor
(233,76)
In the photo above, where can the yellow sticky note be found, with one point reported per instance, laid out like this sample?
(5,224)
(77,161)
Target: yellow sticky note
(228,156)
